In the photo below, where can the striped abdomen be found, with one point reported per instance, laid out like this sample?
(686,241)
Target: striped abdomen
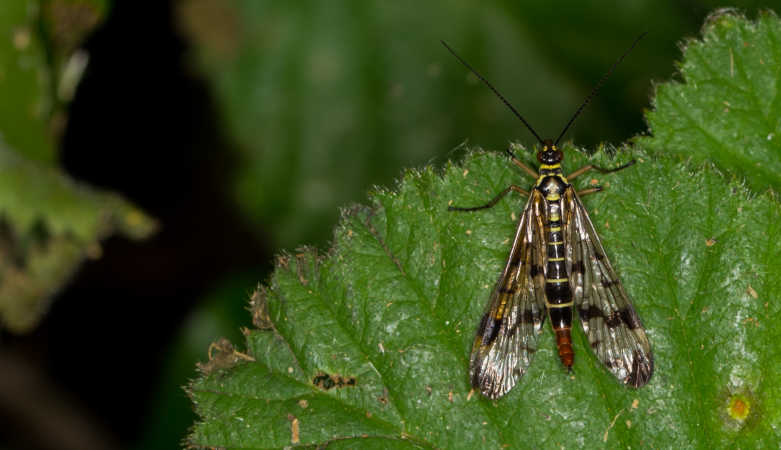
(557,289)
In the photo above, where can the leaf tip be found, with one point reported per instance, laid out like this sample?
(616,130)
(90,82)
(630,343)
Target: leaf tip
(258,305)
(722,17)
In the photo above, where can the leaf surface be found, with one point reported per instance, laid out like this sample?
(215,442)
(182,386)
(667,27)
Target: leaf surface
(395,303)
(727,106)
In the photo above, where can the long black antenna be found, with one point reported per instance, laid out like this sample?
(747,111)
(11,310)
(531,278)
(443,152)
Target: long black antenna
(596,88)
(501,97)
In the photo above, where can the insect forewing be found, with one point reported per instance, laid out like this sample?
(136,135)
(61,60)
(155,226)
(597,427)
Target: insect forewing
(613,328)
(506,338)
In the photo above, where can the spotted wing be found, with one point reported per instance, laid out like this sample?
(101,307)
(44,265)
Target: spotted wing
(614,329)
(506,338)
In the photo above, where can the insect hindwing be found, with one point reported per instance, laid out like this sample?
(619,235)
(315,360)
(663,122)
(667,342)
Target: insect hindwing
(614,330)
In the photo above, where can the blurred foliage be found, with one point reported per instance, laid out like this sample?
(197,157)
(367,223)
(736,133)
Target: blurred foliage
(40,65)
(25,86)
(48,223)
(325,98)
(393,304)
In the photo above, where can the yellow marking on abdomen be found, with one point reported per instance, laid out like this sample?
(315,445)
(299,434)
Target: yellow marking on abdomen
(500,310)
(561,258)
(556,243)
(556,280)
(559,305)
(555,229)
(552,197)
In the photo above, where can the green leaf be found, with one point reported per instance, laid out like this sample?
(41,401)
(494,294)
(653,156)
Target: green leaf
(395,303)
(40,66)
(727,109)
(369,344)
(48,225)
(24,83)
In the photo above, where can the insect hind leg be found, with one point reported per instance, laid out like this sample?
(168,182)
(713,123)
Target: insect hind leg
(493,201)
(588,191)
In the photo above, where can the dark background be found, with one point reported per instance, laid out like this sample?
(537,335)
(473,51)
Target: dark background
(226,123)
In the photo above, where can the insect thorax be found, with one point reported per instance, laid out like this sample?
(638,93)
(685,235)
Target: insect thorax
(552,183)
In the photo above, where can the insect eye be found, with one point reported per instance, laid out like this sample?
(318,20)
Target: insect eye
(559,155)
(539,156)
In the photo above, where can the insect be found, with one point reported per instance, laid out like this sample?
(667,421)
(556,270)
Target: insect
(556,264)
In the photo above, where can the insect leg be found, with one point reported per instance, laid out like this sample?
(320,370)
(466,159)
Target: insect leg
(523,166)
(585,169)
(590,191)
(493,201)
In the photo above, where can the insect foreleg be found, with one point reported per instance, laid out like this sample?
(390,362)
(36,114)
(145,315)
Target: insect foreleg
(523,166)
